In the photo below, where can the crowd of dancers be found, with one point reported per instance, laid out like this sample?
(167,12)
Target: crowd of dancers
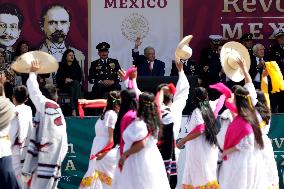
(135,144)
(142,128)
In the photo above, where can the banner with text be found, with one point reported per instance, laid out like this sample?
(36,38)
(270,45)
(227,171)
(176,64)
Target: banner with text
(119,23)
(231,18)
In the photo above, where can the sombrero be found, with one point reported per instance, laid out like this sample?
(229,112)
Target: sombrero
(183,51)
(48,63)
(230,54)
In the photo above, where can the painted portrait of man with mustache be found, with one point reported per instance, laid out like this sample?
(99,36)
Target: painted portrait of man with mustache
(55,24)
(11,22)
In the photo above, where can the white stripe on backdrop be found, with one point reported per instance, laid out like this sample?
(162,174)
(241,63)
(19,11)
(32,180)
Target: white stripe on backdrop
(107,25)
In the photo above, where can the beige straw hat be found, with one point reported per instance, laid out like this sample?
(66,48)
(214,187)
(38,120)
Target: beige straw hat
(183,51)
(230,54)
(48,63)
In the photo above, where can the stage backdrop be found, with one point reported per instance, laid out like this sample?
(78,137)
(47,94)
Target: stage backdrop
(120,22)
(76,33)
(231,18)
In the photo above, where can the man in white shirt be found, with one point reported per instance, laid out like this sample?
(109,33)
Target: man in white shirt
(20,130)
(48,142)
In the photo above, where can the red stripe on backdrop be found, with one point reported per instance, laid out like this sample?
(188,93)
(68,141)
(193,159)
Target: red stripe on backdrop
(201,20)
(31,32)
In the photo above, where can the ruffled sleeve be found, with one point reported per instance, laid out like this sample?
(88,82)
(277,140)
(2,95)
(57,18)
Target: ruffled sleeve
(252,92)
(136,131)
(195,120)
(246,143)
(110,119)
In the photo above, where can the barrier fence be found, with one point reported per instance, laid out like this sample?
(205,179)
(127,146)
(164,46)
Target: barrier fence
(81,134)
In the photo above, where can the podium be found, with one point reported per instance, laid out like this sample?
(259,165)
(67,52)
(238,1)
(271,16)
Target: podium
(150,84)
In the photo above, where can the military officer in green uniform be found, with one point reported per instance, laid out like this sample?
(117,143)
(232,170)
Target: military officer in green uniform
(103,72)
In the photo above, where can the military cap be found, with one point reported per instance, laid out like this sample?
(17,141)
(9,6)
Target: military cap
(246,37)
(278,32)
(216,39)
(103,46)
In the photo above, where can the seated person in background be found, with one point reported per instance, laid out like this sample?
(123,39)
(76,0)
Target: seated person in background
(9,74)
(103,73)
(22,47)
(68,78)
(257,64)
(146,64)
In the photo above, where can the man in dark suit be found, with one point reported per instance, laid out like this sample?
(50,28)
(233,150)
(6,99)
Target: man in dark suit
(257,64)
(147,64)
(103,73)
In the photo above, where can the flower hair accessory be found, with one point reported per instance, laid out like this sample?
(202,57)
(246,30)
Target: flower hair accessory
(114,99)
(172,88)
(246,97)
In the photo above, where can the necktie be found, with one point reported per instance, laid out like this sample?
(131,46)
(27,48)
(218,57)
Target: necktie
(260,62)
(149,66)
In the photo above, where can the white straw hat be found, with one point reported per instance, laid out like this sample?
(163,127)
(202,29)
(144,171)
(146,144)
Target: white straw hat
(230,54)
(48,63)
(183,51)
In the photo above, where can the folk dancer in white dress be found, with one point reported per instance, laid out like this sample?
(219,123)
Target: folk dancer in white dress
(264,117)
(20,130)
(103,158)
(201,144)
(141,165)
(48,143)
(243,167)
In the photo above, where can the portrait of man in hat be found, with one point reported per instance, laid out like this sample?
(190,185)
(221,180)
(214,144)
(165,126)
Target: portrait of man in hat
(55,24)
(103,72)
(11,22)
